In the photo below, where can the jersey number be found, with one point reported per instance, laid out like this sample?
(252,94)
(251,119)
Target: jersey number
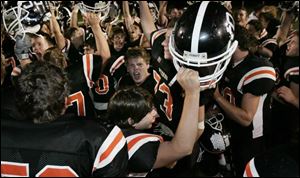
(168,102)
(104,87)
(12,169)
(79,99)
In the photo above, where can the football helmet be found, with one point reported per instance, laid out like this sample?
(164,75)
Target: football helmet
(99,7)
(214,139)
(203,40)
(20,17)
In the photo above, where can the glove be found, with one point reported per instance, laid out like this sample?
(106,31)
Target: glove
(22,48)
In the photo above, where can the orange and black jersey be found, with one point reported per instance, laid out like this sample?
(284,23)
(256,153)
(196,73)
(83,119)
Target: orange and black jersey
(105,85)
(281,161)
(169,97)
(289,71)
(252,75)
(66,147)
(142,150)
(82,75)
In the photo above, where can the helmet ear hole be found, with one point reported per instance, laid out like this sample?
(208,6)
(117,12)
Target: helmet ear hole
(203,40)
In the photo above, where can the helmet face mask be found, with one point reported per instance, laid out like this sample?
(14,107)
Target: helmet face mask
(214,139)
(99,7)
(204,43)
(22,17)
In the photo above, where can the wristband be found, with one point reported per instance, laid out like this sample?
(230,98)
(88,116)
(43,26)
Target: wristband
(201,125)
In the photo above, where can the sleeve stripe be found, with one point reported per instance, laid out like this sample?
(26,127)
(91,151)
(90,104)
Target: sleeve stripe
(13,169)
(136,141)
(116,65)
(88,68)
(269,41)
(292,71)
(114,142)
(258,73)
(250,170)
(157,34)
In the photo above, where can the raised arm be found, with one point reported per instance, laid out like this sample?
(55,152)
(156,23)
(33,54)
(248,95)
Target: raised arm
(127,17)
(74,16)
(187,131)
(147,21)
(162,18)
(59,37)
(283,30)
(101,42)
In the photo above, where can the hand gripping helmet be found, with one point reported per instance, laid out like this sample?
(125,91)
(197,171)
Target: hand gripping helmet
(203,40)
(22,16)
(99,7)
(214,139)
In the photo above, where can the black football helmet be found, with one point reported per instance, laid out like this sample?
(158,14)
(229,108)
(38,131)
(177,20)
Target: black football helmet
(215,139)
(20,17)
(203,40)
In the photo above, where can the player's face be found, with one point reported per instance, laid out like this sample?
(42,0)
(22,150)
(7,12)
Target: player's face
(147,121)
(88,50)
(138,70)
(39,46)
(136,32)
(165,44)
(242,16)
(118,41)
(293,47)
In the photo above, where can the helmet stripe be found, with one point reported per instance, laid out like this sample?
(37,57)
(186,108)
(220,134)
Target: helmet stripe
(198,26)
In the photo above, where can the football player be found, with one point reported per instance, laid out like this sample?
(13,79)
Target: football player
(49,144)
(131,110)
(193,44)
(245,100)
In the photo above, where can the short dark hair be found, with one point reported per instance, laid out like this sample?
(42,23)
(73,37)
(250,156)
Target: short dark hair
(130,102)
(243,37)
(70,32)
(256,24)
(136,52)
(41,91)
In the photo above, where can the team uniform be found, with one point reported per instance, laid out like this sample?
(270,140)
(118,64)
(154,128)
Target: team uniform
(287,69)
(170,96)
(256,76)
(66,147)
(105,85)
(142,151)
(82,75)
(281,161)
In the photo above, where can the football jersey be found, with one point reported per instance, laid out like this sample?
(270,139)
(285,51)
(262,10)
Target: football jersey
(287,69)
(169,97)
(105,85)
(252,75)
(82,76)
(280,161)
(66,147)
(142,150)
